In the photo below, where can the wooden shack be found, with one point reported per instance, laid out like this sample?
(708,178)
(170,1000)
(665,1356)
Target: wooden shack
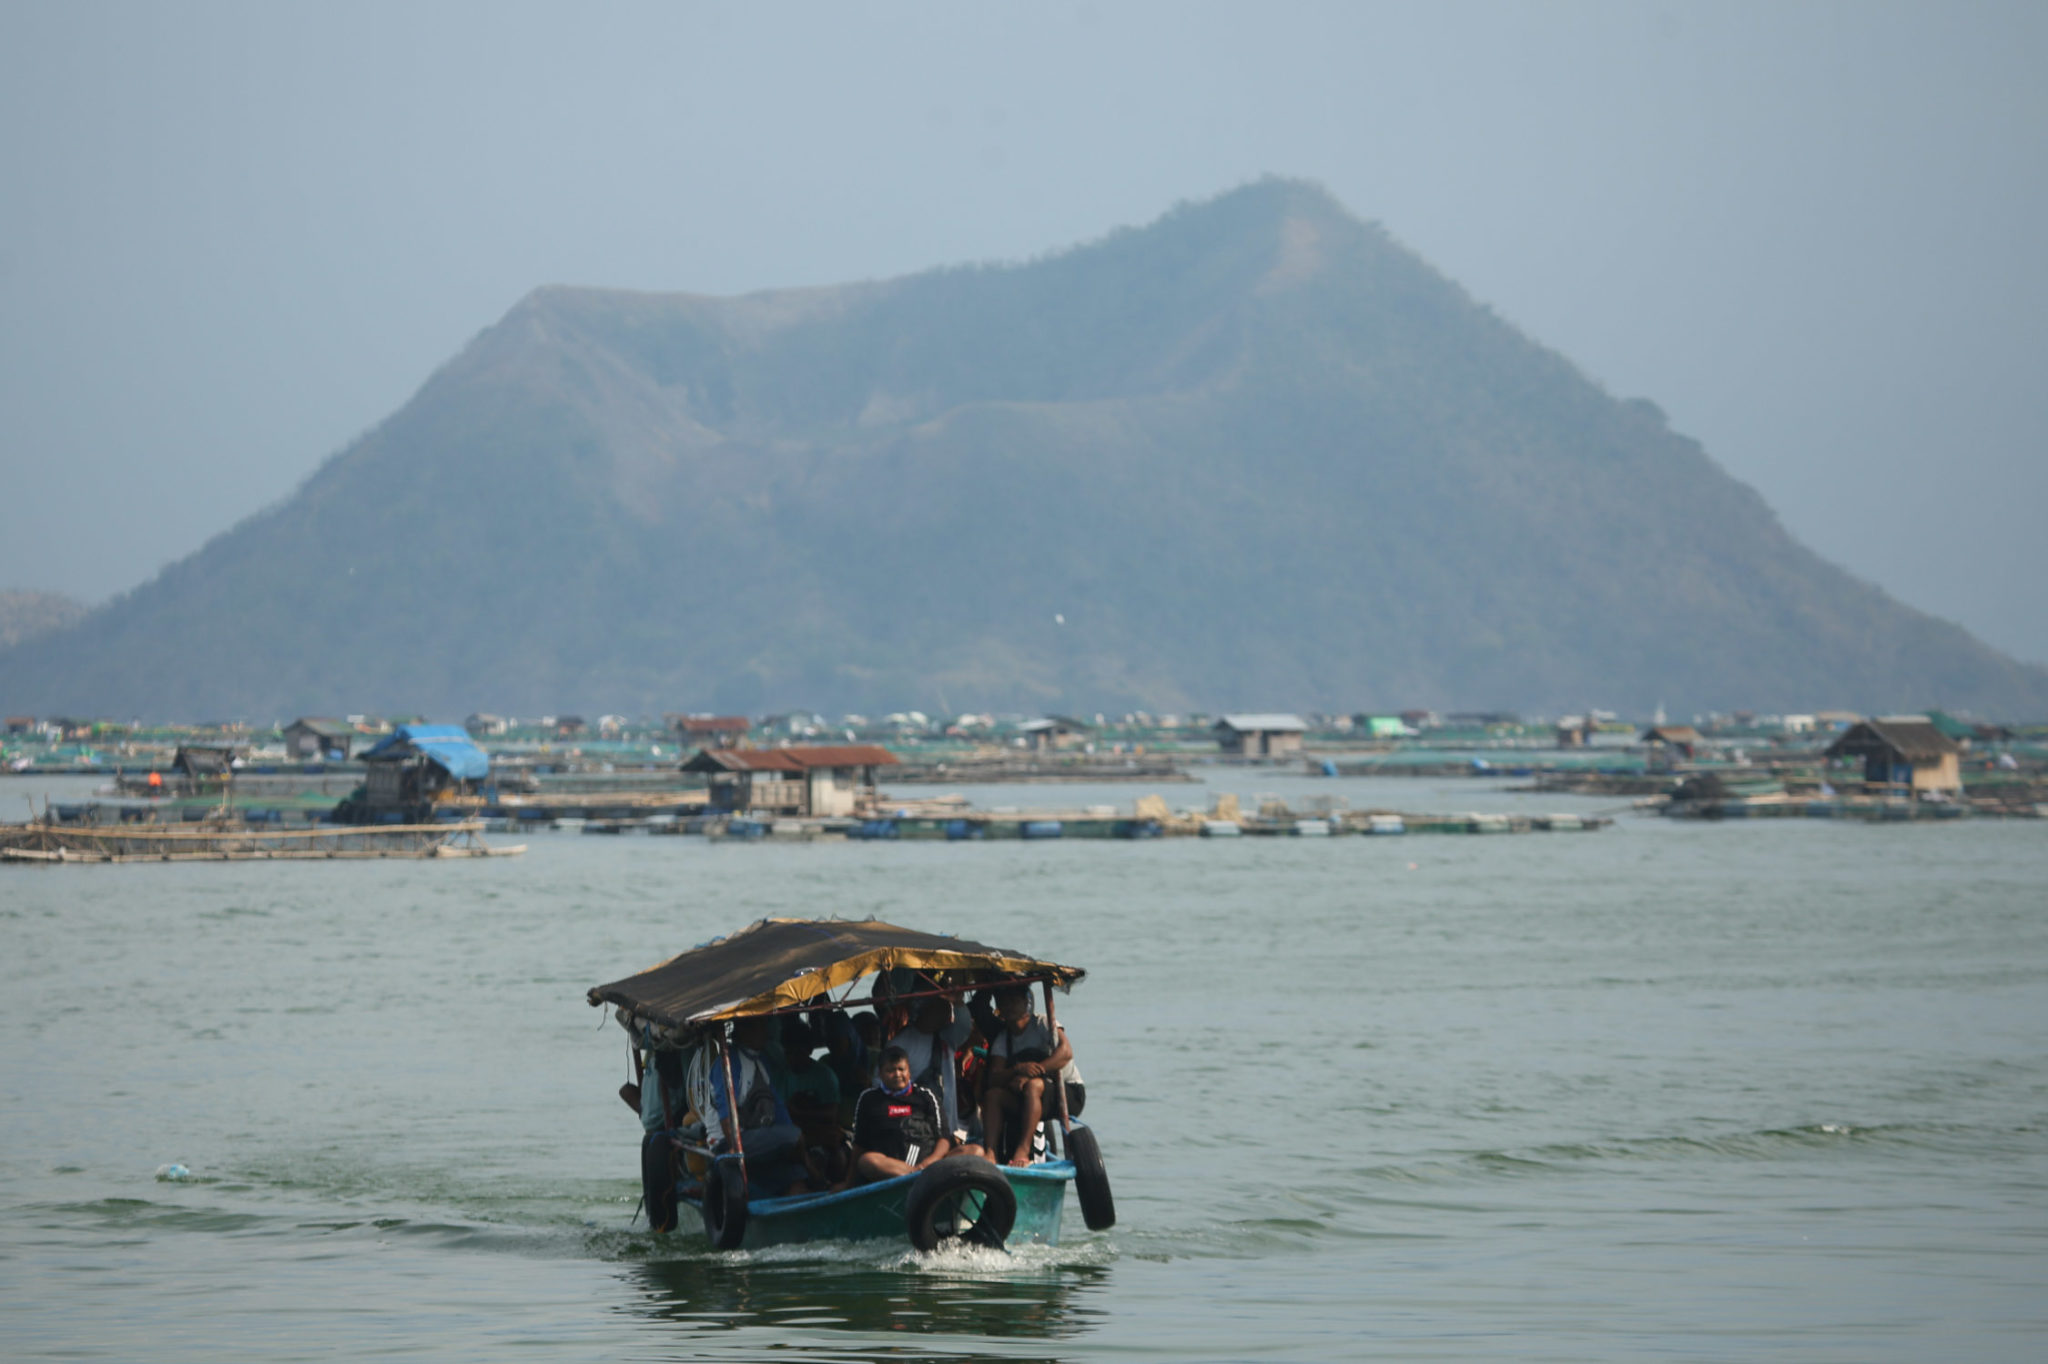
(1259,736)
(1056,732)
(1903,751)
(812,780)
(416,768)
(1670,743)
(208,762)
(316,737)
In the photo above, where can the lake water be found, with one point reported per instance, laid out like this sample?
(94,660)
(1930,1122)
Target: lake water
(1774,1090)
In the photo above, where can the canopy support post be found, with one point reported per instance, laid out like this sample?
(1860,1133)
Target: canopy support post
(1059,1077)
(732,1110)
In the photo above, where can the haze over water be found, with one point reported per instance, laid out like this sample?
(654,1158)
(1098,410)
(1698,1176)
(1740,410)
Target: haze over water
(1774,1090)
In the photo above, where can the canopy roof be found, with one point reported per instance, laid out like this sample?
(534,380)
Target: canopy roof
(448,746)
(781,963)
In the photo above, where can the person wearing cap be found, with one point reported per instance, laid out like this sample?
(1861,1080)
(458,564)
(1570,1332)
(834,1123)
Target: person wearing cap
(1023,1056)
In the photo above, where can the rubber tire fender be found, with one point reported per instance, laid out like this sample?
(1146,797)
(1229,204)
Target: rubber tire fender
(658,1181)
(725,1204)
(953,1175)
(1091,1180)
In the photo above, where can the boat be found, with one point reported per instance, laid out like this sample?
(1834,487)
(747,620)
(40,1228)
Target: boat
(780,967)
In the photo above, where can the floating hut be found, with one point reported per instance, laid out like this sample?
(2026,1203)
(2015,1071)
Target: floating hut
(413,770)
(1259,736)
(1670,745)
(1903,751)
(315,737)
(809,781)
(1056,732)
(208,763)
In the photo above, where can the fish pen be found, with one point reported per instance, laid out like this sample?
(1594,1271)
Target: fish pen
(46,841)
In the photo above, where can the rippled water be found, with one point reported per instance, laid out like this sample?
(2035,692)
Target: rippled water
(1773,1090)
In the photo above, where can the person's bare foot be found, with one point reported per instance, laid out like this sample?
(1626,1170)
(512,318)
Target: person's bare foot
(1020,1158)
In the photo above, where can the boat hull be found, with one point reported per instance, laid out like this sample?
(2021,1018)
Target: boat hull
(874,1212)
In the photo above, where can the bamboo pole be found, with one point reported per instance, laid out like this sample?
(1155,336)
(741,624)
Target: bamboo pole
(1059,1077)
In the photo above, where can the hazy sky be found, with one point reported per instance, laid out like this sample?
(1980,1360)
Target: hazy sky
(232,237)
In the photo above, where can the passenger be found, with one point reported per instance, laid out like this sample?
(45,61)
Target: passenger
(896,1125)
(813,1098)
(849,1062)
(932,1043)
(773,1145)
(868,1029)
(1022,1057)
(663,1108)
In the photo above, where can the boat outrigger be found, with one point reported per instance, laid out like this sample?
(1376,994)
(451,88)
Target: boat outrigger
(684,1009)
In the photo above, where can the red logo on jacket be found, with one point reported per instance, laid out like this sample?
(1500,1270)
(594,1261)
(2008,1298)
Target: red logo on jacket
(899,1110)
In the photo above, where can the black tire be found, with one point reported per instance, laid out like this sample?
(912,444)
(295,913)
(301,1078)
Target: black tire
(1091,1180)
(725,1204)
(658,1182)
(960,1198)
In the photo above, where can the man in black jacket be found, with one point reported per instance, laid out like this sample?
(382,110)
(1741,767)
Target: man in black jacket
(896,1127)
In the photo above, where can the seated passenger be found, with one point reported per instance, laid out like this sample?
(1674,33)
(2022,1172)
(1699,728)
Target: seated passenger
(772,1144)
(932,1042)
(1022,1057)
(812,1093)
(664,1115)
(896,1125)
(848,1060)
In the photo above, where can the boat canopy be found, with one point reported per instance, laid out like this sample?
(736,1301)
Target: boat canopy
(782,963)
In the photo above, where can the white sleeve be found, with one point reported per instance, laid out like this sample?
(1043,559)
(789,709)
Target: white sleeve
(699,1085)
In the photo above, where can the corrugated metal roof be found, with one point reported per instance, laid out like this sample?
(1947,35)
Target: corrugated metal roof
(740,760)
(1244,724)
(840,755)
(448,747)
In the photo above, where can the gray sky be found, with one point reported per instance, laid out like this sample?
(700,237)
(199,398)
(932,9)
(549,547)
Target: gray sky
(232,237)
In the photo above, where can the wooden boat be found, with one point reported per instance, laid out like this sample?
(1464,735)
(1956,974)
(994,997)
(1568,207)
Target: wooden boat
(48,840)
(780,967)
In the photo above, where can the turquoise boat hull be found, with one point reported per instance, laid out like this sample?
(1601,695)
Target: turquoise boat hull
(874,1212)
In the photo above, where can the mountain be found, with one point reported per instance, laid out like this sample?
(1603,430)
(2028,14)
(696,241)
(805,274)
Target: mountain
(1255,454)
(27,615)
